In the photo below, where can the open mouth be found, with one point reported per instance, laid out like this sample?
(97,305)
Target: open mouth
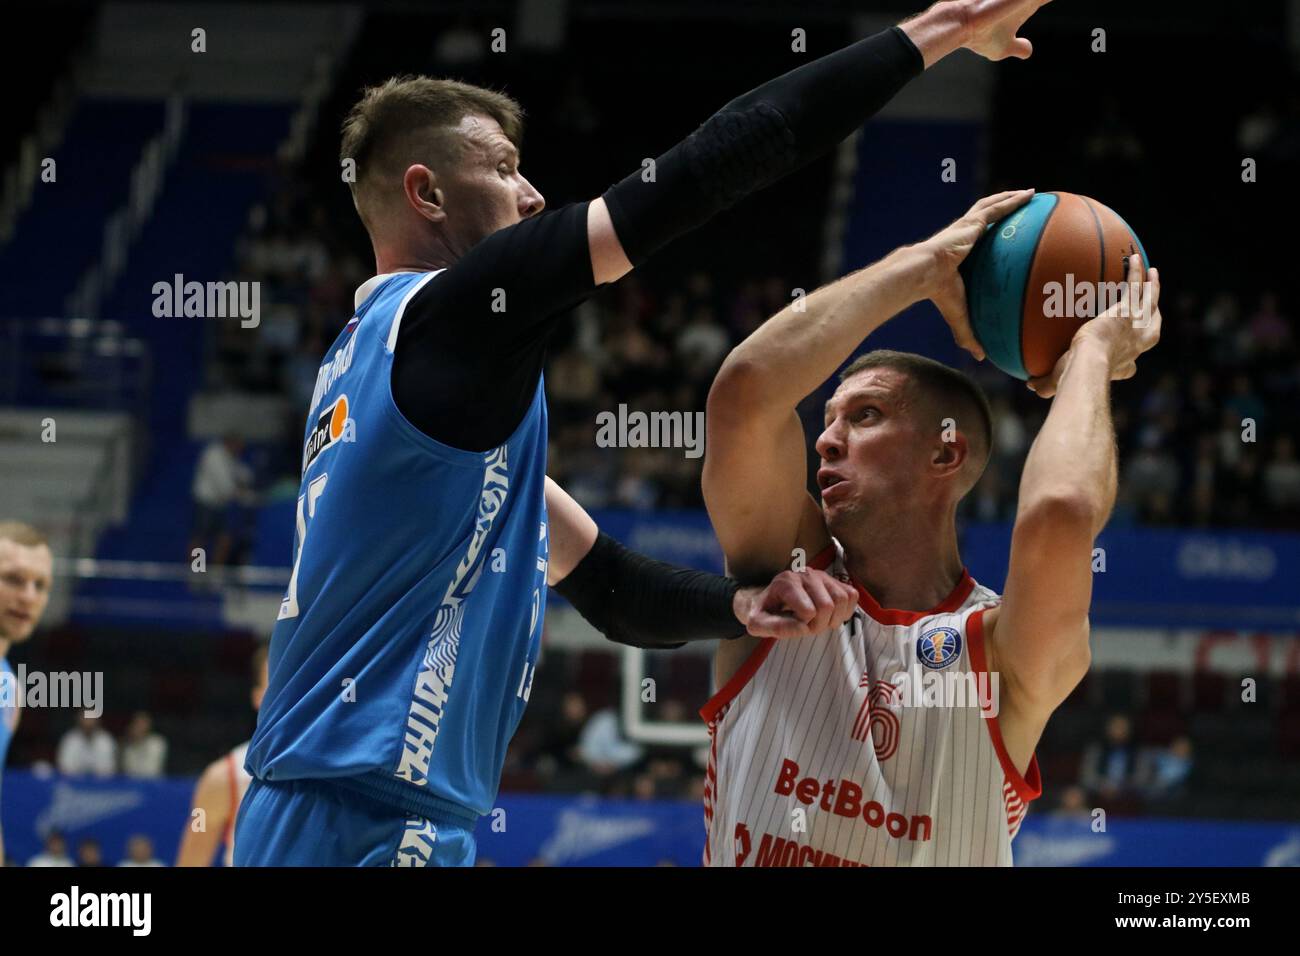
(828,479)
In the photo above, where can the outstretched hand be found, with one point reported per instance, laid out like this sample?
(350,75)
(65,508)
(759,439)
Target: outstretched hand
(991,27)
(949,247)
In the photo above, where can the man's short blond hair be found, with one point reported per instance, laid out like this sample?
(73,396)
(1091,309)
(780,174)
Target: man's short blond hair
(23,534)
(407,120)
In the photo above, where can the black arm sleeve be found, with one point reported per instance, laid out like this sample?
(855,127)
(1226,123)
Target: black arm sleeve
(635,600)
(759,137)
(473,340)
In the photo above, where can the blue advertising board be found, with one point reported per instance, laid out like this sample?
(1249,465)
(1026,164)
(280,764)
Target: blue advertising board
(565,830)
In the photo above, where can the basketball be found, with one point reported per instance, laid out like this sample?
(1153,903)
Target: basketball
(1040,273)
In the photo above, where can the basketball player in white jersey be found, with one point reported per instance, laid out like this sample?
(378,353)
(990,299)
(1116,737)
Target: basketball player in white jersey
(907,735)
(218,793)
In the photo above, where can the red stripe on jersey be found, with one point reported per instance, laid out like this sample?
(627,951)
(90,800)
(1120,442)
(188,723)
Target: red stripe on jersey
(745,673)
(711,788)
(743,676)
(1029,786)
(889,615)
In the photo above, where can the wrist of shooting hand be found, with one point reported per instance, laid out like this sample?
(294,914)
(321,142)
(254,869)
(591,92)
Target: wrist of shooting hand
(1091,354)
(916,271)
(742,603)
(939,30)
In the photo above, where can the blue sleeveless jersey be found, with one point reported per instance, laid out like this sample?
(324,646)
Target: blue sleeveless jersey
(404,652)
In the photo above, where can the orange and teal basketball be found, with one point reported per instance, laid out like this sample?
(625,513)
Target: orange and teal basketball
(1040,273)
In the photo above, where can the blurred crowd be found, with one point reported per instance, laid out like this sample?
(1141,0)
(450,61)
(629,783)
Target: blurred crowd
(1208,430)
(1123,776)
(573,741)
(88,749)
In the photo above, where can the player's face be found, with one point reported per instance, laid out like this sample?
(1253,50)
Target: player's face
(25,576)
(873,455)
(485,191)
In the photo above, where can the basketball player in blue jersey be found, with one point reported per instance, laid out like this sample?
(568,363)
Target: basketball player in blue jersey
(406,642)
(26,573)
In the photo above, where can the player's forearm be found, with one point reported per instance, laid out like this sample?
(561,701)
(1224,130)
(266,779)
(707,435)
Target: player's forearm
(1072,461)
(793,353)
(762,136)
(635,600)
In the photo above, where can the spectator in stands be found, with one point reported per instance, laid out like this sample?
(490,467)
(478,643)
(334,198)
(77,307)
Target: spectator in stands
(1073,804)
(89,853)
(221,481)
(144,752)
(603,749)
(1109,765)
(1269,331)
(87,749)
(558,748)
(1241,494)
(1245,402)
(55,852)
(702,344)
(139,852)
(1282,479)
(1163,771)
(1152,475)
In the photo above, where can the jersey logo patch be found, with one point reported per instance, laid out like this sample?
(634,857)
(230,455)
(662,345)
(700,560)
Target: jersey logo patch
(875,721)
(938,647)
(330,427)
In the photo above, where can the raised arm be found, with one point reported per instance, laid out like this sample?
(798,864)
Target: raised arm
(754,471)
(786,123)
(1038,637)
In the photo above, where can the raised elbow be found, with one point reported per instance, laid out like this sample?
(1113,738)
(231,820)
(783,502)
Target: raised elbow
(1061,511)
(737,386)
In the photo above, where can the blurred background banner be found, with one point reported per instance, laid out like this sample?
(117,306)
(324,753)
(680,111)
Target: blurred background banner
(591,831)
(1164,577)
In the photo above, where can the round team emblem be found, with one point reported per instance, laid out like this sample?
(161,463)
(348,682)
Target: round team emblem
(939,647)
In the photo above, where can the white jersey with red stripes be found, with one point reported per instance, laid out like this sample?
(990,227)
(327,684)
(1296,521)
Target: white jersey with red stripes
(239,780)
(875,744)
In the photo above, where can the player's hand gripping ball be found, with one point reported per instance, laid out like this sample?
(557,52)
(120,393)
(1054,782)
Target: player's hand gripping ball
(1038,274)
